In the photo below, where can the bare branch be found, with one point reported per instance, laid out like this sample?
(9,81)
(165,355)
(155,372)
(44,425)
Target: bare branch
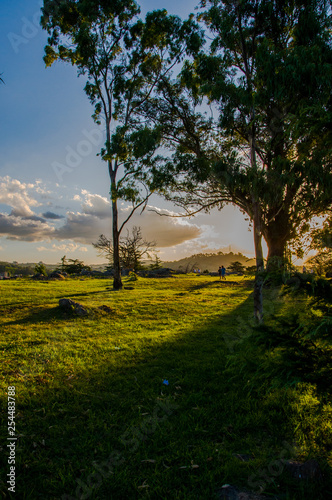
(143,202)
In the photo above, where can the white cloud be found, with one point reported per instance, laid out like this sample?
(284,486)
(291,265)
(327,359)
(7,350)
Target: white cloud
(23,223)
(66,247)
(165,230)
(97,205)
(15,194)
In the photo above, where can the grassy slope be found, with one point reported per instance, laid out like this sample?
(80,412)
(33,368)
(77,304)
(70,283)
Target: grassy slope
(90,390)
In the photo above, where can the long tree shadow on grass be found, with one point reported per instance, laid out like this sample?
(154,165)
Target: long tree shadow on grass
(164,421)
(86,294)
(221,283)
(14,306)
(41,314)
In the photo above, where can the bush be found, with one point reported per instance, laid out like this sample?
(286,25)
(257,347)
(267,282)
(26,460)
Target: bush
(295,347)
(72,266)
(132,276)
(236,267)
(251,270)
(40,269)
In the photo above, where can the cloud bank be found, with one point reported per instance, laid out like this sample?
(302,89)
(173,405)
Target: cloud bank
(83,225)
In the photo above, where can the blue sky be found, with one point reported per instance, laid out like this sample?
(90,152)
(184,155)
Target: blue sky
(47,211)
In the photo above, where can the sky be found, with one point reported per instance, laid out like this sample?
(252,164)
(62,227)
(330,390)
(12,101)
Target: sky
(54,189)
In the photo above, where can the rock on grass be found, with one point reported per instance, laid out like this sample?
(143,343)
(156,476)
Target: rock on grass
(70,305)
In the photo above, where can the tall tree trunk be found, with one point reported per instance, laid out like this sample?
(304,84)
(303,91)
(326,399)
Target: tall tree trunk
(117,283)
(277,234)
(258,287)
(277,248)
(276,254)
(257,220)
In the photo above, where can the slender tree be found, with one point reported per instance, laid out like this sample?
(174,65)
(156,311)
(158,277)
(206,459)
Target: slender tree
(123,59)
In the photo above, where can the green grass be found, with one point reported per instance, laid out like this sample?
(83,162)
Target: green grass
(94,419)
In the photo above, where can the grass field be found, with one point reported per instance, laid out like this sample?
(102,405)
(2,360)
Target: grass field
(152,398)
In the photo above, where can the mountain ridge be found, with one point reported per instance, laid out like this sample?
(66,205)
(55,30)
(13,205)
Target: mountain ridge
(209,261)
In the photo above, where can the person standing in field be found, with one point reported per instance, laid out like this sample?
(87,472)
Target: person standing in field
(219,272)
(223,272)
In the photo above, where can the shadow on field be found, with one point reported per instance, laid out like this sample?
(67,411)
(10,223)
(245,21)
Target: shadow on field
(41,315)
(87,294)
(119,432)
(220,283)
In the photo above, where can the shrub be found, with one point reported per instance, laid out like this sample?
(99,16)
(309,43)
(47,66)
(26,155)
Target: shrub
(40,269)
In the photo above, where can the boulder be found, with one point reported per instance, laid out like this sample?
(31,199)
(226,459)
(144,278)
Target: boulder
(38,276)
(70,305)
(56,275)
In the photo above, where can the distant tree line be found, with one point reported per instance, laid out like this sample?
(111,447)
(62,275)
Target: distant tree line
(14,268)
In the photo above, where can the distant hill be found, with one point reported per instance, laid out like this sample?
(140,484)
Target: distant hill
(209,261)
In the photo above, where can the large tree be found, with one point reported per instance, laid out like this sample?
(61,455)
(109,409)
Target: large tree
(123,59)
(270,69)
(267,74)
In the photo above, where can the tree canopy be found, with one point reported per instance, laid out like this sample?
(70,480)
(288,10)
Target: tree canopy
(268,74)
